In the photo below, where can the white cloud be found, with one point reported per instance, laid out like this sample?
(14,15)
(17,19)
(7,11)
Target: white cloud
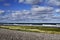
(2,11)
(30,1)
(34,13)
(20,1)
(57,10)
(15,15)
(54,2)
(25,12)
(41,10)
(12,15)
(49,2)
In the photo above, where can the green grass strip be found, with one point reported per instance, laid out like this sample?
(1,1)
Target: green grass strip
(40,29)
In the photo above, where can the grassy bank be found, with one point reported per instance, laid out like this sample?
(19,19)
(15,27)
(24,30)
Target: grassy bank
(39,29)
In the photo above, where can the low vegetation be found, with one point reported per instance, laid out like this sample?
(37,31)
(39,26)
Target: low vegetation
(40,29)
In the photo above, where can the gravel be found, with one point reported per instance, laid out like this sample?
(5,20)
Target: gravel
(6,34)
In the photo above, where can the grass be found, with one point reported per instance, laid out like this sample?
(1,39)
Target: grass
(39,29)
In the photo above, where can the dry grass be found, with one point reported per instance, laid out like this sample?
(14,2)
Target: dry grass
(39,29)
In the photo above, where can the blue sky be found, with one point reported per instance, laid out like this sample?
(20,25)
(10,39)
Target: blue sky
(30,11)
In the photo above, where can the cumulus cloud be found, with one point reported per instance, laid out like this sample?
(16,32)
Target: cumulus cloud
(54,2)
(20,1)
(16,13)
(57,10)
(25,12)
(30,1)
(2,11)
(41,10)
(41,13)
(49,2)
(36,12)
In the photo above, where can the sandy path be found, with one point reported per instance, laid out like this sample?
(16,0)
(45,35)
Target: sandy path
(18,35)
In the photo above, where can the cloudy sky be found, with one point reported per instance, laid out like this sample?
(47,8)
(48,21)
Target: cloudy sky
(29,11)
